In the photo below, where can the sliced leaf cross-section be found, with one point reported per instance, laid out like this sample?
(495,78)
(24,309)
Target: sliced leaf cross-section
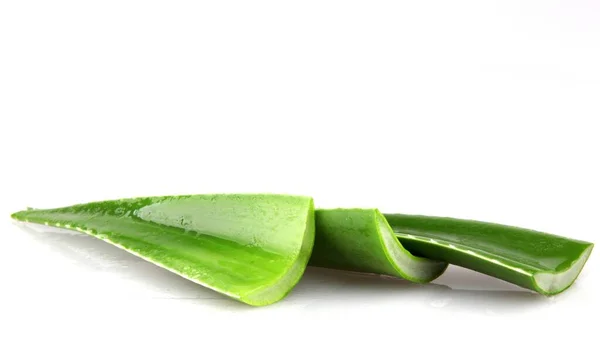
(362,240)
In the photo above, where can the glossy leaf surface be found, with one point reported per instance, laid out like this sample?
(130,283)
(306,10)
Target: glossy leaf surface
(545,263)
(253,248)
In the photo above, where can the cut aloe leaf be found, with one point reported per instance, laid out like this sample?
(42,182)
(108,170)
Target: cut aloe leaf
(253,248)
(361,240)
(542,262)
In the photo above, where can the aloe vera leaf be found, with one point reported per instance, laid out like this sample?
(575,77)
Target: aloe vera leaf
(361,240)
(545,263)
(251,247)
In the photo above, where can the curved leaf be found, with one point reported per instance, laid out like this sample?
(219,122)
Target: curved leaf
(253,248)
(362,240)
(542,262)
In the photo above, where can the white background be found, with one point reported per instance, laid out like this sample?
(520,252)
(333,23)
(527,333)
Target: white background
(474,109)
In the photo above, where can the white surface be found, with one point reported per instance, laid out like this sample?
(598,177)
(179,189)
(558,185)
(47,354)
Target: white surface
(473,109)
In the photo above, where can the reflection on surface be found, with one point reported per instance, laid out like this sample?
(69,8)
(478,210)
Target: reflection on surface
(458,289)
(320,284)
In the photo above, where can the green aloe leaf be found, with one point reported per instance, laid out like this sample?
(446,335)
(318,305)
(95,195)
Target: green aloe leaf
(545,263)
(362,240)
(253,248)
